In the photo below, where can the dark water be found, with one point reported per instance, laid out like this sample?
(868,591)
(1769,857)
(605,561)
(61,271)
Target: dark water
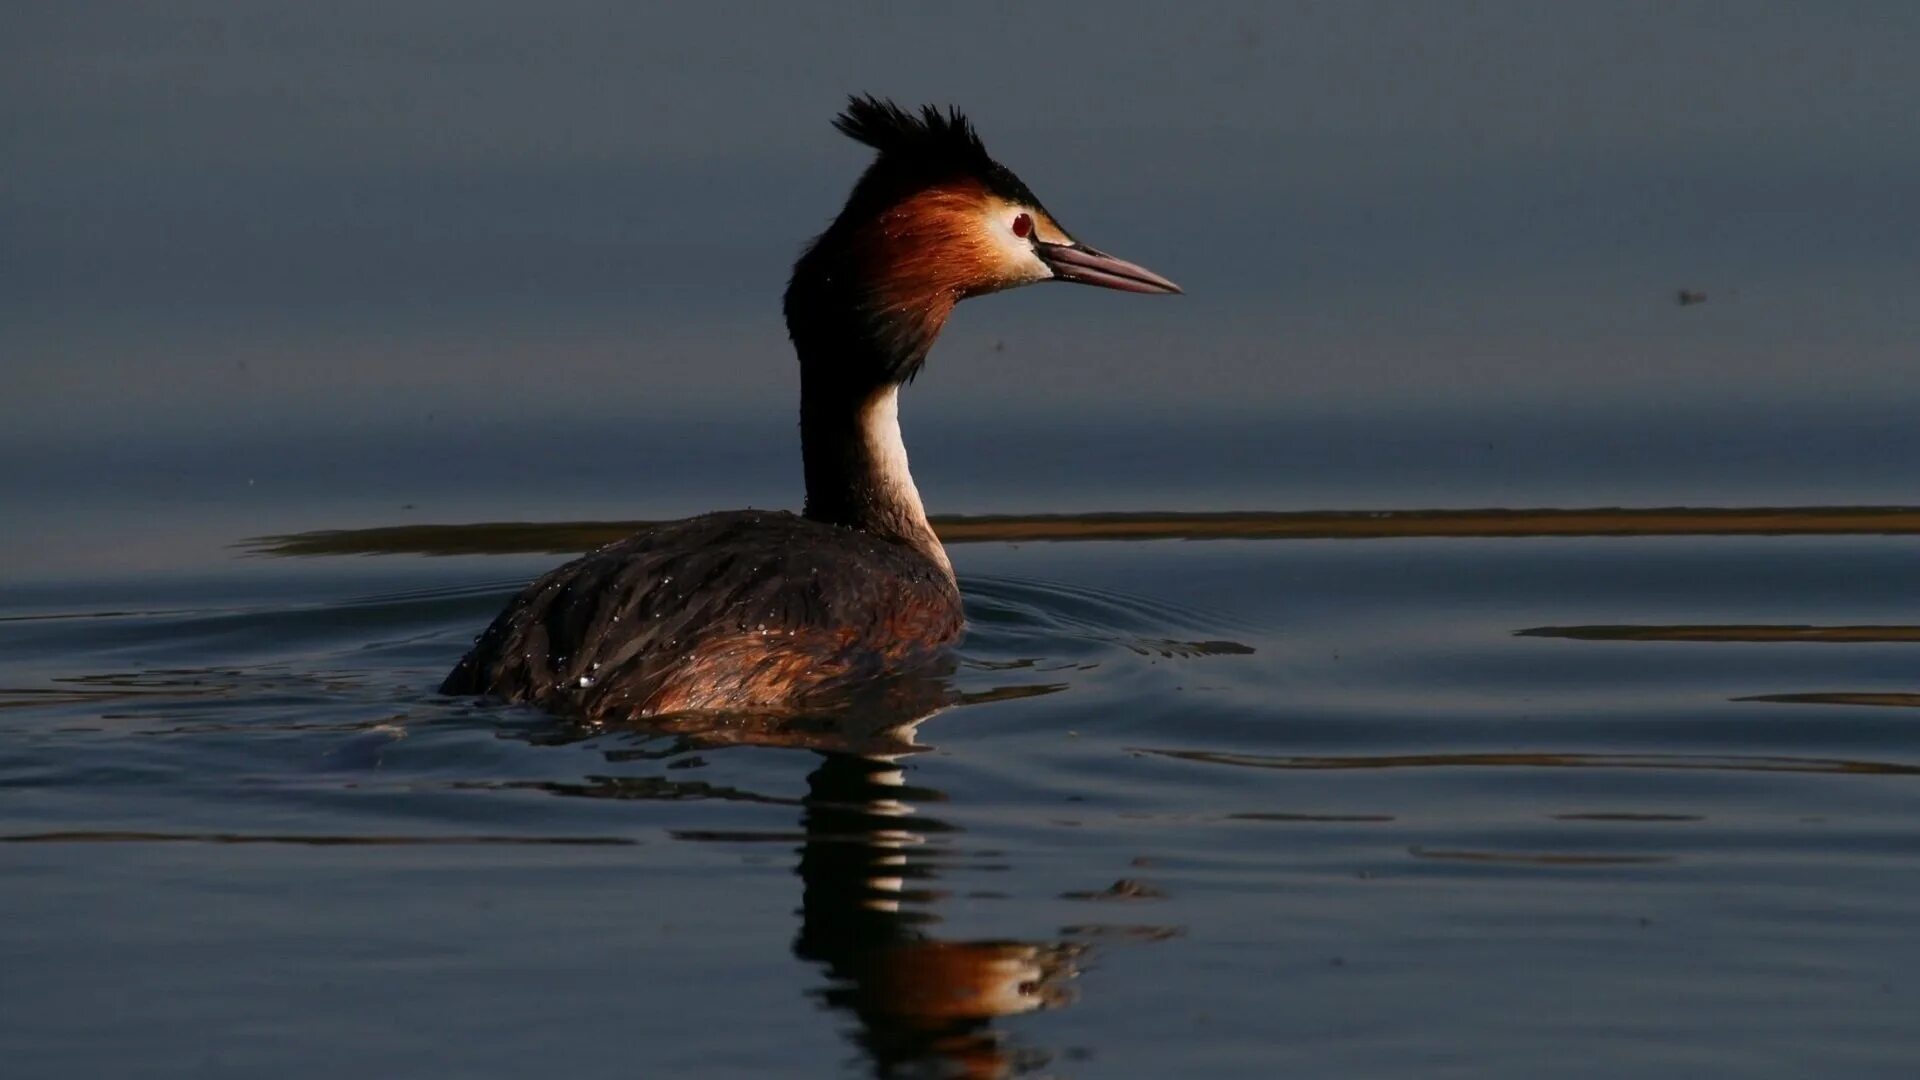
(1608,793)
(1329,755)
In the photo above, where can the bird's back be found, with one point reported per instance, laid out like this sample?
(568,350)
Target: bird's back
(747,610)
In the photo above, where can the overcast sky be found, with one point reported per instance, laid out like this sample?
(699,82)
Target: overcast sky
(220,214)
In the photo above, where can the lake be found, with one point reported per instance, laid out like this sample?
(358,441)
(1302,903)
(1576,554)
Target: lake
(1428,648)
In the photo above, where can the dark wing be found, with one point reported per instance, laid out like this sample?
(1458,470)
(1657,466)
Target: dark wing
(735,611)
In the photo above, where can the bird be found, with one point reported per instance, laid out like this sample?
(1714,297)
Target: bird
(764,611)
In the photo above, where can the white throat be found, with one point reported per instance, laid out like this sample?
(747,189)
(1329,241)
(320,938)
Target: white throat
(880,429)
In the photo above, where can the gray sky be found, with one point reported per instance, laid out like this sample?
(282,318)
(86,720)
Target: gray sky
(215,215)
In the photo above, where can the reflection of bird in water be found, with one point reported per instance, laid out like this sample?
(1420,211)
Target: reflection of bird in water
(866,867)
(918,1000)
(748,610)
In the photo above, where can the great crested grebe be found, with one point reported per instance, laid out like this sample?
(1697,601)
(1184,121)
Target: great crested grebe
(754,610)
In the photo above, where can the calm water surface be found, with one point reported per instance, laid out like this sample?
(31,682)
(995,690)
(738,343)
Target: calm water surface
(1355,800)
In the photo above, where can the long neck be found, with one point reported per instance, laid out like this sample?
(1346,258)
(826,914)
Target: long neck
(855,351)
(856,466)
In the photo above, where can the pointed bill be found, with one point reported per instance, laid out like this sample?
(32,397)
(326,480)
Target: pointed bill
(1082,264)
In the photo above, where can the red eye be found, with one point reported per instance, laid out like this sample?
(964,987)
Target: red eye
(1023,226)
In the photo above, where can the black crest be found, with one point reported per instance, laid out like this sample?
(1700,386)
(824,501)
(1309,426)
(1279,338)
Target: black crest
(931,144)
(933,138)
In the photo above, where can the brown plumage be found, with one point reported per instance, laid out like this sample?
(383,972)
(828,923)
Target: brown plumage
(745,610)
(766,611)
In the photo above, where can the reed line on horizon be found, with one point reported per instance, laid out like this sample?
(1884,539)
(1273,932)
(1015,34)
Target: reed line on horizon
(526,537)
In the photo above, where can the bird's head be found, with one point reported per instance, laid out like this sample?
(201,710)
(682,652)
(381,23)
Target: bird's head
(934,220)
